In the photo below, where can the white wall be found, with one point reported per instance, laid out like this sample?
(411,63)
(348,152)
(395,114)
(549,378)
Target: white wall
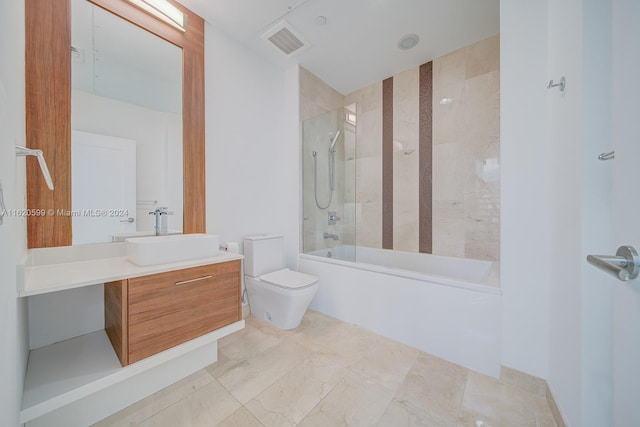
(556,200)
(158,137)
(580,357)
(565,56)
(13,333)
(597,223)
(525,151)
(252,144)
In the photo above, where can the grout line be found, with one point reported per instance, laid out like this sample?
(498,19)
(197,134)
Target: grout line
(464,394)
(555,410)
(174,403)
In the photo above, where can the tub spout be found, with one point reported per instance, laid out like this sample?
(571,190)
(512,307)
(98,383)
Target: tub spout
(326,235)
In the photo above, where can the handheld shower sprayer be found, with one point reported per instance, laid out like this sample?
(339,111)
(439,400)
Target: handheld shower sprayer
(332,170)
(332,147)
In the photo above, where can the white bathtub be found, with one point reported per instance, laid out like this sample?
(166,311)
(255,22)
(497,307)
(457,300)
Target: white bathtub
(444,306)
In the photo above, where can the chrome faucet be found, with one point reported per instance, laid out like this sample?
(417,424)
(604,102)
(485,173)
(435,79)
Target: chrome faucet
(326,235)
(161,220)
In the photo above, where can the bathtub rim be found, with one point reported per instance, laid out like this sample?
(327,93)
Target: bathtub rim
(408,274)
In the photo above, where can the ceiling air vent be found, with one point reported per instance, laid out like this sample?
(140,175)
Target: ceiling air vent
(285,38)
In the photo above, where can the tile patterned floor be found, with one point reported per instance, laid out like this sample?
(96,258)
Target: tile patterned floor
(329,373)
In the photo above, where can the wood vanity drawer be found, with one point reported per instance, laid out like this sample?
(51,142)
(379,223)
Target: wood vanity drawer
(168,309)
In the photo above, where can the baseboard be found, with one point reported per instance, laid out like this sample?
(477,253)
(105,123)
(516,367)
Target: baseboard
(529,383)
(557,414)
(533,385)
(246,311)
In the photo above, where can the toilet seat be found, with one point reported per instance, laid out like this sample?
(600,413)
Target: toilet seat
(288,279)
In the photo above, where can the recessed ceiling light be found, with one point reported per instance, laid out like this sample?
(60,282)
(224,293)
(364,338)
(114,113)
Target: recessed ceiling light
(408,41)
(321,20)
(445,101)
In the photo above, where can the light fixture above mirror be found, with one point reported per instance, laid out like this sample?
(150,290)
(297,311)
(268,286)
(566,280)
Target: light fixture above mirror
(164,11)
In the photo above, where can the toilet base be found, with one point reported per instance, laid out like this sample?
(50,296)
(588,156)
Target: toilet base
(284,308)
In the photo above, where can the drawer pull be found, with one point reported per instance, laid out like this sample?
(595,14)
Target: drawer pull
(184,282)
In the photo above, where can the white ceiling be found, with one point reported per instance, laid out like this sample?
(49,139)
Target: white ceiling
(358,44)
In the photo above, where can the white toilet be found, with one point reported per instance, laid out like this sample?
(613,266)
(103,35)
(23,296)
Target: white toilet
(276,294)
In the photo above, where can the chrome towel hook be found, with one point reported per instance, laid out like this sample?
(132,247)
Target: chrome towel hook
(607,156)
(562,85)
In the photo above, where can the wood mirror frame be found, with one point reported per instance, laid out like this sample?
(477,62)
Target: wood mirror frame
(48,112)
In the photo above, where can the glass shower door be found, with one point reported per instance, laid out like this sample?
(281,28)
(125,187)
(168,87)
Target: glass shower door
(328,165)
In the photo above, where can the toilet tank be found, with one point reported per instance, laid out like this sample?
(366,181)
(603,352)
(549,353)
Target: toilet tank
(263,253)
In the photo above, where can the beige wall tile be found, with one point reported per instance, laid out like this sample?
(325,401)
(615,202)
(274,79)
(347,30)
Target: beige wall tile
(406,160)
(482,57)
(482,107)
(316,96)
(368,98)
(450,165)
(448,118)
(466,145)
(449,237)
(406,84)
(369,135)
(466,168)
(449,69)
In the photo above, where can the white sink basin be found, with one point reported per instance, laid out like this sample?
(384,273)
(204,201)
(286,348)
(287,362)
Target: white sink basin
(165,249)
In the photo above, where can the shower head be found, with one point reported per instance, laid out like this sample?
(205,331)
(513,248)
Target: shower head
(332,147)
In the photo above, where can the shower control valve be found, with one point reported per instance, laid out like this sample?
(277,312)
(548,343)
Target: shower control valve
(333,218)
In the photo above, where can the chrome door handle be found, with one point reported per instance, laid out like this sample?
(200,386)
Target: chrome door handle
(129,220)
(625,265)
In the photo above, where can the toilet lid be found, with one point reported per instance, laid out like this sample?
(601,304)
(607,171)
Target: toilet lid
(289,279)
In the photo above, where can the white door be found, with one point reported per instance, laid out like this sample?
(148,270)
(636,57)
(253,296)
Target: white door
(103,199)
(626,207)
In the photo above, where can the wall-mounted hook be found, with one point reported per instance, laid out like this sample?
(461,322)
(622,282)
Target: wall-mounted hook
(23,151)
(562,84)
(607,156)
(3,208)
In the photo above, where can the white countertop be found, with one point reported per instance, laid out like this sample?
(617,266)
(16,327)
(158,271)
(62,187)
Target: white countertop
(41,279)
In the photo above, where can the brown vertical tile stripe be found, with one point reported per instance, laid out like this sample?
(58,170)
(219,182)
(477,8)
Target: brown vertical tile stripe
(387,163)
(425,188)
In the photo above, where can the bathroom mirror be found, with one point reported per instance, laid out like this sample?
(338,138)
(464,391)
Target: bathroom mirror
(126,127)
(179,185)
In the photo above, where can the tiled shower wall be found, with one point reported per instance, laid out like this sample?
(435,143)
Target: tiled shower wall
(367,162)
(465,200)
(464,143)
(466,152)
